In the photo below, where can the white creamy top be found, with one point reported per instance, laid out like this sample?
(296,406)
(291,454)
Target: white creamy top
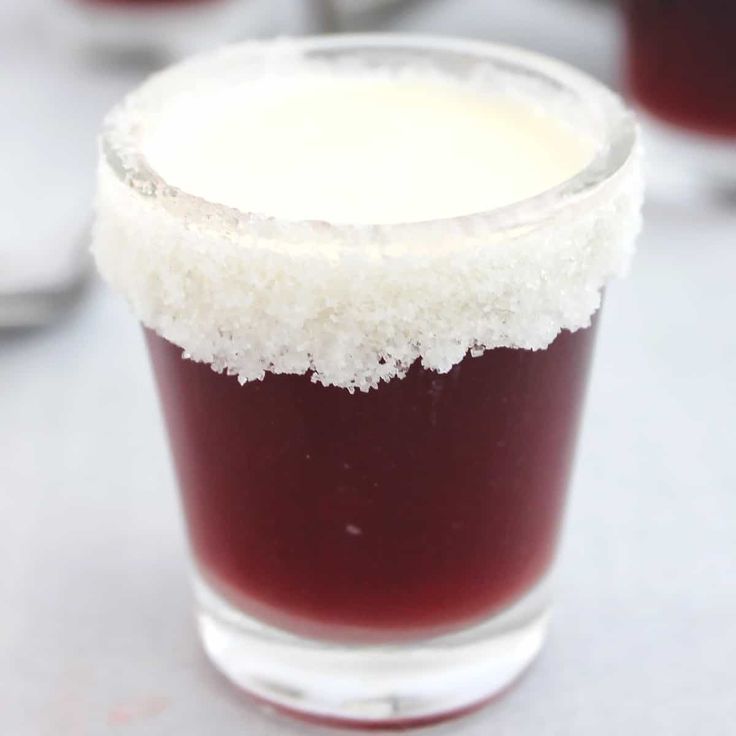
(355,149)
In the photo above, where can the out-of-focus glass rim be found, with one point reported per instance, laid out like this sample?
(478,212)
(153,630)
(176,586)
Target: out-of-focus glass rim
(618,140)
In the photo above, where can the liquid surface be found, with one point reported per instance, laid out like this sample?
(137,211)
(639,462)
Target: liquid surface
(419,507)
(361,150)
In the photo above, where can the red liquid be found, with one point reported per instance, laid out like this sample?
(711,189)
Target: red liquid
(418,507)
(681,61)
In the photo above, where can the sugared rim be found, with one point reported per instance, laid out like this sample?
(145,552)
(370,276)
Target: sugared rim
(356,305)
(121,142)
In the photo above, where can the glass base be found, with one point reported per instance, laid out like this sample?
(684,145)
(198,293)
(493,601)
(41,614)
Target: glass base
(406,684)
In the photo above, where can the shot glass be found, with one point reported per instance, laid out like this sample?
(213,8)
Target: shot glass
(373,425)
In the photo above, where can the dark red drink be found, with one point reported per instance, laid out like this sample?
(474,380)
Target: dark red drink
(418,507)
(681,61)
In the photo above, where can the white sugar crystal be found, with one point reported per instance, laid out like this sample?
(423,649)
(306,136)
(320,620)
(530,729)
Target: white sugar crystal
(353,304)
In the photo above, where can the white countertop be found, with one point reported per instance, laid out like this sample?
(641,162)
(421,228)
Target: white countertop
(96,631)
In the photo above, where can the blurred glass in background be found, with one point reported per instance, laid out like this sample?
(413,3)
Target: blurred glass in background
(680,70)
(160,31)
(163,30)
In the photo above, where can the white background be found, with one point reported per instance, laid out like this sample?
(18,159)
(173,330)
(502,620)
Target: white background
(96,633)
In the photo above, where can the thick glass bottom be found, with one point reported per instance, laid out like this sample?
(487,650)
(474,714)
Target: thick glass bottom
(413,683)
